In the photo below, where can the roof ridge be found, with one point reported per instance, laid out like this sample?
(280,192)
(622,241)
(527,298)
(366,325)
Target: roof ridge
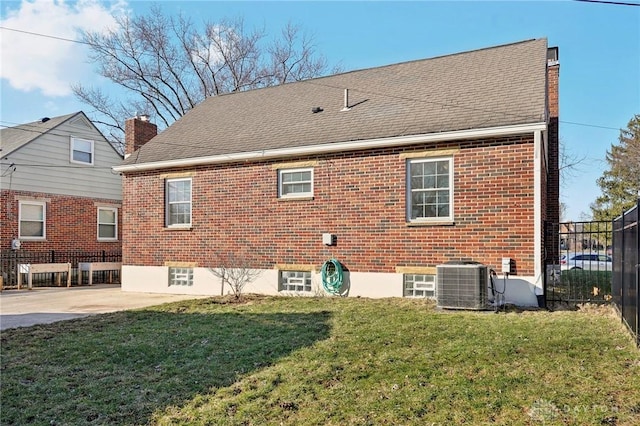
(380,67)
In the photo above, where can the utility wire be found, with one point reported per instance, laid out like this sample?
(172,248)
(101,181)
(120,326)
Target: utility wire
(616,3)
(443,104)
(55,166)
(46,36)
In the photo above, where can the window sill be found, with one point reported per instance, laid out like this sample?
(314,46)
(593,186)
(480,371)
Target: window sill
(33,239)
(434,223)
(309,198)
(82,163)
(107,240)
(177,228)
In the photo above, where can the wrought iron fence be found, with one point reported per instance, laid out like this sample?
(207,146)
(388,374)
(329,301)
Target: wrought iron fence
(582,270)
(626,267)
(10,259)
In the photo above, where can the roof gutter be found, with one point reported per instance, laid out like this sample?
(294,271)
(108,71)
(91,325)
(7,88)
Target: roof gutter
(337,147)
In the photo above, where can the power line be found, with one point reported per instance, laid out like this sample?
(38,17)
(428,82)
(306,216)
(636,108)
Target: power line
(46,36)
(55,166)
(616,3)
(589,125)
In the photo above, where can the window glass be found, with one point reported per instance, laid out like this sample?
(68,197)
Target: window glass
(419,285)
(178,206)
(430,192)
(298,281)
(296,182)
(107,223)
(32,220)
(81,151)
(181,276)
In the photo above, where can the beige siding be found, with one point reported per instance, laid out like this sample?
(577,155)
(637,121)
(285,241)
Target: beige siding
(44,165)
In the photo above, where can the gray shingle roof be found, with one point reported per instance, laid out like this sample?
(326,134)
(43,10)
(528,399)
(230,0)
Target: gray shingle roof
(497,86)
(13,138)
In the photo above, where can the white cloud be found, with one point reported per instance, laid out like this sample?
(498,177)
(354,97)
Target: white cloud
(31,62)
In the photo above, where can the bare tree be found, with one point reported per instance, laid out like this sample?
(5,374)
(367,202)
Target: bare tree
(570,163)
(235,271)
(168,65)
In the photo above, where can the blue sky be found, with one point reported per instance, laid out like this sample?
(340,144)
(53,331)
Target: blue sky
(599,48)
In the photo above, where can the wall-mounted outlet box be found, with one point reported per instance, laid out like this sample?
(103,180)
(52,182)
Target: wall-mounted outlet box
(328,239)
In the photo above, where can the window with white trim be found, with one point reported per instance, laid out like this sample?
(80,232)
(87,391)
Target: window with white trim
(419,285)
(32,217)
(430,189)
(107,223)
(82,151)
(294,183)
(178,202)
(298,281)
(181,276)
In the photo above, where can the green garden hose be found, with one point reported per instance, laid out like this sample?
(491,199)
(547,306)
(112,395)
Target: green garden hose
(332,276)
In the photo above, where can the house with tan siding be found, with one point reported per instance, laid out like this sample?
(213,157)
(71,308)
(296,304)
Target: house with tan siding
(389,171)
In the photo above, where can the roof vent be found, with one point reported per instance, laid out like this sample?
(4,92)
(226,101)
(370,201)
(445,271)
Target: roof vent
(316,110)
(44,119)
(346,101)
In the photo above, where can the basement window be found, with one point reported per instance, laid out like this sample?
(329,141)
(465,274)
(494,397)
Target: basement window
(419,285)
(180,277)
(296,281)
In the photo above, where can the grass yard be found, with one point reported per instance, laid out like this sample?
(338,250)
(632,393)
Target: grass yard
(582,286)
(322,361)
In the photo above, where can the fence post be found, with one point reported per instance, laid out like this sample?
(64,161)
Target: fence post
(638,273)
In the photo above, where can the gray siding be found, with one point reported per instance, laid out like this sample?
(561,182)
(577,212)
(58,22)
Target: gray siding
(44,165)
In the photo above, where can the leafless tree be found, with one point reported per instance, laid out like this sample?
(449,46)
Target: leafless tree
(569,164)
(168,65)
(235,271)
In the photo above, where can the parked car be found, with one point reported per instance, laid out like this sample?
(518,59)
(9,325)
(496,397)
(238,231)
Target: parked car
(586,261)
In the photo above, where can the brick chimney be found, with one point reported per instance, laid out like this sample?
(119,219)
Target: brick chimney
(138,131)
(553,74)
(553,146)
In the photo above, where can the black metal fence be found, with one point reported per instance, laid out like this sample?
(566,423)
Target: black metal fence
(626,275)
(582,272)
(10,259)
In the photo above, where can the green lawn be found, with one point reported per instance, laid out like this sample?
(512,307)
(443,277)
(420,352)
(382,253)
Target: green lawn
(323,361)
(580,286)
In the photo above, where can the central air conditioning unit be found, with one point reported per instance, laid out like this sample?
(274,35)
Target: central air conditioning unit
(462,286)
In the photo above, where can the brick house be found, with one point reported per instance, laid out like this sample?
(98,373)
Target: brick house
(407,166)
(58,189)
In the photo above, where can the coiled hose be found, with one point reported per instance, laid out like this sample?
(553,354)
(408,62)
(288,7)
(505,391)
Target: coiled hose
(332,276)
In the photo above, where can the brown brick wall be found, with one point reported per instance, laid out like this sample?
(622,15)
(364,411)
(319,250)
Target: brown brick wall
(359,196)
(71,223)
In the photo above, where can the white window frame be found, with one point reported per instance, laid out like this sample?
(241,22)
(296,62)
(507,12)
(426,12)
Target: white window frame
(180,276)
(72,147)
(43,205)
(115,224)
(282,172)
(410,190)
(167,219)
(413,284)
(291,281)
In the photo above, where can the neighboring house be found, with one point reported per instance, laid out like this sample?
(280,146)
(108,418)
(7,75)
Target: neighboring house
(408,166)
(59,191)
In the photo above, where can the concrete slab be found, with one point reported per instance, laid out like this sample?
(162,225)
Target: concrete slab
(24,308)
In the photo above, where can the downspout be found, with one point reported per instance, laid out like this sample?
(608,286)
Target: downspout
(537,211)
